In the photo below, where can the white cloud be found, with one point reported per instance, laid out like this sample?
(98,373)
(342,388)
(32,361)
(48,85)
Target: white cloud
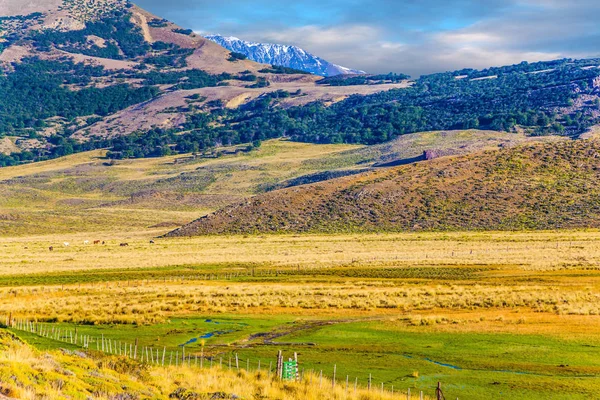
(410,36)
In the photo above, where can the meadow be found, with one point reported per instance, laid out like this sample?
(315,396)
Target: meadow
(490,314)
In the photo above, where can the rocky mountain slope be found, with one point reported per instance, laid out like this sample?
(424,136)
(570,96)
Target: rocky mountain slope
(543,186)
(286,56)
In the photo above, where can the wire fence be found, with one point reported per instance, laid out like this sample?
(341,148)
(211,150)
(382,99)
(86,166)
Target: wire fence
(161,357)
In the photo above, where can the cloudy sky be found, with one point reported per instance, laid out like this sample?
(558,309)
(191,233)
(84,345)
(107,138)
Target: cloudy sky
(410,36)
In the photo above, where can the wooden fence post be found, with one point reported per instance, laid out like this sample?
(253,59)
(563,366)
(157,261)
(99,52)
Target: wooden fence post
(297,367)
(321,379)
(333,380)
(279,364)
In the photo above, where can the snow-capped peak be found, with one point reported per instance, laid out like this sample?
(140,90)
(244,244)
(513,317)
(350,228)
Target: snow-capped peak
(277,54)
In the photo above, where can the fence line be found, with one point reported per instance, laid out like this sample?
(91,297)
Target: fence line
(155,357)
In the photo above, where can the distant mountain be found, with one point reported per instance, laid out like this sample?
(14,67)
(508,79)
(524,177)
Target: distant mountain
(286,56)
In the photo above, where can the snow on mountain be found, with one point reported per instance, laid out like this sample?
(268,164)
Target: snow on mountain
(287,56)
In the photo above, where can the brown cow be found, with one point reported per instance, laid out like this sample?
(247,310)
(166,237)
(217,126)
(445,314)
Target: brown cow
(51,248)
(124,244)
(96,242)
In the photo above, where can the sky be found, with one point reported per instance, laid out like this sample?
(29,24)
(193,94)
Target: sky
(405,36)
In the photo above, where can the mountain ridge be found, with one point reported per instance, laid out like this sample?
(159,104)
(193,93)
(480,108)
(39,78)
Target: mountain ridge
(282,55)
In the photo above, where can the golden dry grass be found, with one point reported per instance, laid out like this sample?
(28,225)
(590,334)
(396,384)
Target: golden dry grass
(86,193)
(453,285)
(395,274)
(29,374)
(520,252)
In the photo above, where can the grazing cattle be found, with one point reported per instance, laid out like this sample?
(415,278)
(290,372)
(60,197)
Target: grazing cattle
(51,248)
(96,242)
(86,242)
(103,243)
(66,244)
(152,242)
(124,244)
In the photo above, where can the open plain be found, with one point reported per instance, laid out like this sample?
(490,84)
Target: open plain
(490,314)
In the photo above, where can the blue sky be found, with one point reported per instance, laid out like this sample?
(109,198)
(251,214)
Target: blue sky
(410,36)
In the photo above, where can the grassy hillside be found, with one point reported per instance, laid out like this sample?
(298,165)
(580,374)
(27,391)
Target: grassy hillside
(543,186)
(87,192)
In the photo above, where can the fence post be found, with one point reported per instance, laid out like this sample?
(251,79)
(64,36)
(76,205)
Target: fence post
(438,392)
(321,379)
(279,364)
(333,380)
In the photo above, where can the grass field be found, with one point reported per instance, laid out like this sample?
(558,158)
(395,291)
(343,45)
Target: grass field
(491,315)
(494,315)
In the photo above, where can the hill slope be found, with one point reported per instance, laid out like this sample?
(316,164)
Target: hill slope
(286,56)
(77,74)
(542,186)
(88,192)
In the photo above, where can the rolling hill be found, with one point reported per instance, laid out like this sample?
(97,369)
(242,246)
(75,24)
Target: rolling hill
(89,192)
(533,186)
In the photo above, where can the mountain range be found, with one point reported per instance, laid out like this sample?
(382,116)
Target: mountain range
(281,55)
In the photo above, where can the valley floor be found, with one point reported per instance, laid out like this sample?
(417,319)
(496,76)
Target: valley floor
(490,315)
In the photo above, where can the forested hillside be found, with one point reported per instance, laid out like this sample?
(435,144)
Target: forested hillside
(140,86)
